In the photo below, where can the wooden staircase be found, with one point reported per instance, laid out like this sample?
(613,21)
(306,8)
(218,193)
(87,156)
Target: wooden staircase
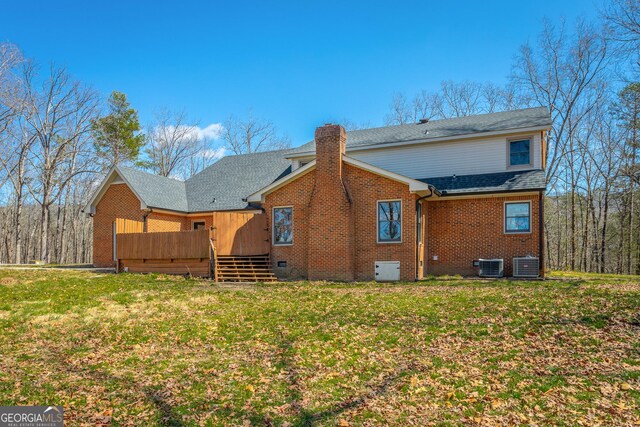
(235,268)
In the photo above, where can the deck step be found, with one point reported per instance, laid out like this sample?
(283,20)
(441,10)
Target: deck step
(256,268)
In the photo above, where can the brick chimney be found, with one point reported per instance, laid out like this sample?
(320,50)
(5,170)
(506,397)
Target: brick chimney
(330,245)
(331,141)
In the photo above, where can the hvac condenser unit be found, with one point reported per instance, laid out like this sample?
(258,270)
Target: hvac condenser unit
(491,267)
(526,267)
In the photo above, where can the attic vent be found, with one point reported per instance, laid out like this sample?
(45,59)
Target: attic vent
(423,121)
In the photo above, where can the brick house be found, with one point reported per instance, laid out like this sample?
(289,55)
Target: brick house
(432,197)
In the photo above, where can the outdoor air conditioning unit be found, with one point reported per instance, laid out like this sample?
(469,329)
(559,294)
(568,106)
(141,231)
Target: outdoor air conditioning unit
(491,267)
(526,267)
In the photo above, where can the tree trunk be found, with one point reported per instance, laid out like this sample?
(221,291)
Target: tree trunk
(44,239)
(630,233)
(18,227)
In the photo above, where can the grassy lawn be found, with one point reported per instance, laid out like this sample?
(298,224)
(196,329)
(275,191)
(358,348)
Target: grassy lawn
(156,350)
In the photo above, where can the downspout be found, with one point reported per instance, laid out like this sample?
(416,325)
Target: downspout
(432,190)
(146,213)
(541,233)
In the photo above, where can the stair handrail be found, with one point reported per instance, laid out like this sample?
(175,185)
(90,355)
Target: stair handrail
(214,261)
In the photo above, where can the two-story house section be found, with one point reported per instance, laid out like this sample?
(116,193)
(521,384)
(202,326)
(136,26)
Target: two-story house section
(396,202)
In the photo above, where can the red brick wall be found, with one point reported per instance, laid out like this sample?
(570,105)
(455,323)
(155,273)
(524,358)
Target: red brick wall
(365,189)
(461,231)
(298,195)
(118,202)
(160,222)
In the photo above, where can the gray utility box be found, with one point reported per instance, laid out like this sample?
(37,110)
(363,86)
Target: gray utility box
(387,271)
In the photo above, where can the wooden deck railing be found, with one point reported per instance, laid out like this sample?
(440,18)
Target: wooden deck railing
(214,261)
(172,245)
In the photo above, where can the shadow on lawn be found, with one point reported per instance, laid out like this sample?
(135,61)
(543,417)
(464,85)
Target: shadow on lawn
(305,417)
(301,416)
(156,396)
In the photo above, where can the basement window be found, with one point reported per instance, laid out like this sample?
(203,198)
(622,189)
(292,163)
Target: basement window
(283,225)
(517,217)
(389,221)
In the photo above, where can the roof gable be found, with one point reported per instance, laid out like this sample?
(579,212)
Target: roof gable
(156,191)
(153,191)
(415,186)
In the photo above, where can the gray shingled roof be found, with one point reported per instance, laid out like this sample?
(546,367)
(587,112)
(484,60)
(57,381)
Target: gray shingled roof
(157,191)
(507,120)
(489,182)
(233,178)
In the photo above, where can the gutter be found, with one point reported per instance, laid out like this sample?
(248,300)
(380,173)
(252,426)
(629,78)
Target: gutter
(146,213)
(475,193)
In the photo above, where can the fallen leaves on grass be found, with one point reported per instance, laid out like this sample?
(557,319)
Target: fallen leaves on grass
(149,350)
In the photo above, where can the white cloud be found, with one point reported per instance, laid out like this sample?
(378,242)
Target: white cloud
(214,153)
(209,133)
(213,131)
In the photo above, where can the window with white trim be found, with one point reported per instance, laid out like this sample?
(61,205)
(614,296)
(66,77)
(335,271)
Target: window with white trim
(389,221)
(520,152)
(283,226)
(517,217)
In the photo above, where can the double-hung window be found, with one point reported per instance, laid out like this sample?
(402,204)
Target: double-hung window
(517,217)
(283,225)
(519,152)
(389,221)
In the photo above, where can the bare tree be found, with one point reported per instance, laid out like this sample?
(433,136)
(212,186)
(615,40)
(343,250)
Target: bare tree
(453,99)
(10,59)
(16,147)
(177,146)
(622,18)
(424,105)
(251,135)
(558,73)
(59,113)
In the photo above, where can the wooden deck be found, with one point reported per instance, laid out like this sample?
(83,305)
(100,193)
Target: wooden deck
(184,252)
(238,251)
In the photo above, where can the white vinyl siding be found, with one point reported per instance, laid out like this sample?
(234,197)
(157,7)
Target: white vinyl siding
(446,158)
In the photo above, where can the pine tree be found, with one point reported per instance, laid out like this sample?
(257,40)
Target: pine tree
(117,135)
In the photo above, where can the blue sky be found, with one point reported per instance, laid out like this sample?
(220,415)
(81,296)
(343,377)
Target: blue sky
(296,63)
